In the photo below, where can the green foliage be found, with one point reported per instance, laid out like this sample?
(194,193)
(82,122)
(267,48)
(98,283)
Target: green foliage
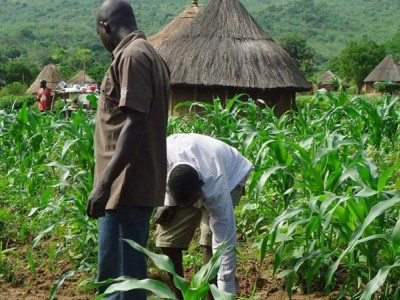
(329,25)
(197,288)
(13,89)
(12,52)
(393,45)
(387,87)
(19,70)
(6,269)
(70,61)
(48,165)
(324,194)
(299,50)
(323,199)
(357,60)
(9,103)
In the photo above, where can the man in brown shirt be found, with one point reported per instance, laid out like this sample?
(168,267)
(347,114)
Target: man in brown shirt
(130,145)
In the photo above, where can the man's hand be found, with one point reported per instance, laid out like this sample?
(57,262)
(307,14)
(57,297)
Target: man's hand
(97,202)
(164,215)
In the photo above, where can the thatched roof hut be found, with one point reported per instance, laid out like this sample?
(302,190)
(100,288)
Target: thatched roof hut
(82,78)
(175,26)
(222,52)
(48,73)
(387,70)
(327,81)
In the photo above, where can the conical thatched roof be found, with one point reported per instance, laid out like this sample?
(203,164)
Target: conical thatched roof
(48,73)
(387,70)
(81,78)
(224,46)
(175,26)
(327,77)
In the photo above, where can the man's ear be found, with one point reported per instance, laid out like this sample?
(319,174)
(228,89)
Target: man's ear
(105,26)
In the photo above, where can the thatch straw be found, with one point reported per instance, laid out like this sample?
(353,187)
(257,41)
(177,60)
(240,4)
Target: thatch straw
(48,73)
(175,26)
(224,46)
(387,70)
(82,78)
(327,77)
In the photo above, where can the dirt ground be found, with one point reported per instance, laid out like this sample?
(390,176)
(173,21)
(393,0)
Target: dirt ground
(255,283)
(255,279)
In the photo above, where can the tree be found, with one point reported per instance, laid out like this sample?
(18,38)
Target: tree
(357,60)
(19,71)
(12,52)
(97,71)
(393,45)
(59,54)
(84,56)
(64,61)
(296,46)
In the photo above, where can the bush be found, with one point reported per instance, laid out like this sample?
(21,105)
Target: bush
(15,88)
(15,102)
(387,87)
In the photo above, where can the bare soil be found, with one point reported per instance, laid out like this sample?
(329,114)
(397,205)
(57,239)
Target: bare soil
(255,283)
(255,279)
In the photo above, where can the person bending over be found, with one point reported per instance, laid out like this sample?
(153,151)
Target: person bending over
(206,179)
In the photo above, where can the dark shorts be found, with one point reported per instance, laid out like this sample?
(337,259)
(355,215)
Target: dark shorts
(179,232)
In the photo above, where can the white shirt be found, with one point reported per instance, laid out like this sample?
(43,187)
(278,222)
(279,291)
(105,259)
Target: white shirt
(222,168)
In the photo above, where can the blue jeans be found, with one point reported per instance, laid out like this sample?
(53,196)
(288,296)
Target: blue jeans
(115,256)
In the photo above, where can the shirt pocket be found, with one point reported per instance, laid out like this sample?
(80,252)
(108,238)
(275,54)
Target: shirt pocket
(108,95)
(107,87)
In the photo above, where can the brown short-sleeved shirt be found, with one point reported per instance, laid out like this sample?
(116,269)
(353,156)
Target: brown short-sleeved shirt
(137,79)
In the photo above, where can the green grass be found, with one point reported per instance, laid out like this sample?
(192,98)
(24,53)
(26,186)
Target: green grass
(323,198)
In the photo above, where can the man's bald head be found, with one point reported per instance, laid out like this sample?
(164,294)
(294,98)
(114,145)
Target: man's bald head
(117,13)
(115,20)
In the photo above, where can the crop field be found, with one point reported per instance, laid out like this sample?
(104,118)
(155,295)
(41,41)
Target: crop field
(320,215)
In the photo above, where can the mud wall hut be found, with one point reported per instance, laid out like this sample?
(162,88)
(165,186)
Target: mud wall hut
(387,70)
(222,52)
(329,81)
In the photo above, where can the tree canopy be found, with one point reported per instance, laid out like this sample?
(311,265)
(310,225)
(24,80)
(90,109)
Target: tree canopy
(299,50)
(34,35)
(357,60)
(393,45)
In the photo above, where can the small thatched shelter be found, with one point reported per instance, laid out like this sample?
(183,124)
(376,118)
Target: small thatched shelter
(175,26)
(82,78)
(222,52)
(329,81)
(48,73)
(387,70)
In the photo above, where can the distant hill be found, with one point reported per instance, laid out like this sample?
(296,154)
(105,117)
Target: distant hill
(38,27)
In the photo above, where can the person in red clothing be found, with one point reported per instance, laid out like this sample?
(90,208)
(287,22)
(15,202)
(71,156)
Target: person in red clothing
(44,97)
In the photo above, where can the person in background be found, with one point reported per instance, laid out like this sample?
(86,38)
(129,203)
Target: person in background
(206,180)
(130,146)
(44,96)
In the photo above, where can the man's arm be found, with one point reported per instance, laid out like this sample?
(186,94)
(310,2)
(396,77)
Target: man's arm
(223,226)
(126,149)
(37,96)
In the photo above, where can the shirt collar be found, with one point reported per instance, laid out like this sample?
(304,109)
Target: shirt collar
(134,35)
